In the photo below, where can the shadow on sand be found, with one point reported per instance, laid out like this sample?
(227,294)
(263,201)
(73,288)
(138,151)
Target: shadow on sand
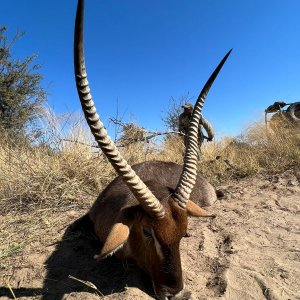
(73,256)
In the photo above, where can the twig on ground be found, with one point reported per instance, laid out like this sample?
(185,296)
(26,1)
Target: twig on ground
(11,291)
(87,283)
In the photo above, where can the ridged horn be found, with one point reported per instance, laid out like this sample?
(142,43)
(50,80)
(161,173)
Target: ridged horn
(189,173)
(147,200)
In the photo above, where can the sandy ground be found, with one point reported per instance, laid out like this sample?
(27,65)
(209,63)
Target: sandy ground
(250,251)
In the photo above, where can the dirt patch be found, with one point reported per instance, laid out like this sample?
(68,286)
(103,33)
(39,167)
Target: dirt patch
(250,251)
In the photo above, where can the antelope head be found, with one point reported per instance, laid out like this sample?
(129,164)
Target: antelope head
(150,232)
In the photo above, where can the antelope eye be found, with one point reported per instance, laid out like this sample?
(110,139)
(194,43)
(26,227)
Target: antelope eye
(147,232)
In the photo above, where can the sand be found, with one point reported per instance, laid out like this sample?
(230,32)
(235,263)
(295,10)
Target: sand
(250,251)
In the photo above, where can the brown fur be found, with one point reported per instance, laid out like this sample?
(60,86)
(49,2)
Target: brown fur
(119,220)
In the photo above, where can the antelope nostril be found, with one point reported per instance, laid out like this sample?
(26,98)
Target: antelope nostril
(182,295)
(164,292)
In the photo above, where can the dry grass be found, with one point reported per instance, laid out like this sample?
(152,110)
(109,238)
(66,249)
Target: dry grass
(39,177)
(57,173)
(254,151)
(74,173)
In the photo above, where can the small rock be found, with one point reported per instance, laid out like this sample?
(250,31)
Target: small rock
(292,182)
(201,246)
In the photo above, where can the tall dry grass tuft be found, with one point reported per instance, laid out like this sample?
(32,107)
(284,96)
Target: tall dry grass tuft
(172,149)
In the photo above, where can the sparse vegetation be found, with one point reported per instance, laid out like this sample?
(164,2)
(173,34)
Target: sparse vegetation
(75,173)
(56,181)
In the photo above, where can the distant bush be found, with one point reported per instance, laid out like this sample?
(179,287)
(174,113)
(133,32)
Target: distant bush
(21,92)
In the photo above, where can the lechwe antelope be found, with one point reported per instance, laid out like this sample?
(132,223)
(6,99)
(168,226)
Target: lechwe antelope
(142,214)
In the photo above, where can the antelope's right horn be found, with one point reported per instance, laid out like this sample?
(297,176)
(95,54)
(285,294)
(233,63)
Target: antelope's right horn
(189,173)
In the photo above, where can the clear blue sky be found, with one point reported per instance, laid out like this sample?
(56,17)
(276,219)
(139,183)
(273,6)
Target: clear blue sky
(141,53)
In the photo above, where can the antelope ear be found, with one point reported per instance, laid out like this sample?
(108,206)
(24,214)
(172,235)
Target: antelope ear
(193,210)
(115,240)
